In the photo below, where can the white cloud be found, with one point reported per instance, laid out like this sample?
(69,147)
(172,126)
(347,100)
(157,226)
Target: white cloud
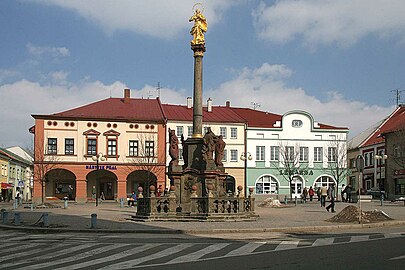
(264,86)
(152,17)
(8,73)
(316,22)
(51,51)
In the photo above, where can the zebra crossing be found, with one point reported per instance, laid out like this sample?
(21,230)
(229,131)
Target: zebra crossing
(70,251)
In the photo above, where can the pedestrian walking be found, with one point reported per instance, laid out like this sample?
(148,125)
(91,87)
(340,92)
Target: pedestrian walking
(304,194)
(324,194)
(331,195)
(342,193)
(311,193)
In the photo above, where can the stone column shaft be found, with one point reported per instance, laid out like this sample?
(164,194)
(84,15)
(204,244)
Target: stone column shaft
(197,102)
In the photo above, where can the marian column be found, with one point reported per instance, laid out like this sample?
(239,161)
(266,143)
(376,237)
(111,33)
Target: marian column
(198,46)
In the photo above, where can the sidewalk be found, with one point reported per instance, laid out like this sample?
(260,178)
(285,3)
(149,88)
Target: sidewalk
(112,218)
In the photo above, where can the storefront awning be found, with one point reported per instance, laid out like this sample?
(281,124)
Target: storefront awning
(6,186)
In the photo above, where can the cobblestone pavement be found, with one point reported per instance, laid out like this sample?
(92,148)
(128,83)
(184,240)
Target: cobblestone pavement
(110,216)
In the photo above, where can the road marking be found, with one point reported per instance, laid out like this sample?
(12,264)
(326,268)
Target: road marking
(287,245)
(398,258)
(200,253)
(323,241)
(86,254)
(110,257)
(245,249)
(359,238)
(49,255)
(151,257)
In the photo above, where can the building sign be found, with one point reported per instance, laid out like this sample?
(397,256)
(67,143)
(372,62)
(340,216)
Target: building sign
(296,171)
(101,167)
(296,123)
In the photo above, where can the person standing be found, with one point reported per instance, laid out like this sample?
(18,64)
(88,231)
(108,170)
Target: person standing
(349,193)
(331,195)
(342,193)
(318,193)
(311,193)
(324,194)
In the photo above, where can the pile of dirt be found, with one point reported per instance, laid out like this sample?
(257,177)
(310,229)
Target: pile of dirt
(270,202)
(350,214)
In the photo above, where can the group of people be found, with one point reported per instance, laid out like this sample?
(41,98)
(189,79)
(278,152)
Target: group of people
(324,192)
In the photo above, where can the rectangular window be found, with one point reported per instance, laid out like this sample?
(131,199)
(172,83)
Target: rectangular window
(112,147)
(52,146)
(189,131)
(371,158)
(222,132)
(91,147)
(274,153)
(318,154)
(149,148)
(304,154)
(179,131)
(289,153)
(234,133)
(332,154)
(234,155)
(69,146)
(260,153)
(133,148)
(225,157)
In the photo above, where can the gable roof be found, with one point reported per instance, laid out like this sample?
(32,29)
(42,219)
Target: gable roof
(255,118)
(219,114)
(143,110)
(394,121)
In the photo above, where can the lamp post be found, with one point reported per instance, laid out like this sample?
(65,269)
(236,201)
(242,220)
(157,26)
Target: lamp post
(97,159)
(380,159)
(245,156)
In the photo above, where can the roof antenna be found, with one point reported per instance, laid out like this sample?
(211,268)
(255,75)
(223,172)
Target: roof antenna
(110,93)
(158,90)
(255,105)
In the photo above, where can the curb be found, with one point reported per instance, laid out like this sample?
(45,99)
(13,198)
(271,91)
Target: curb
(211,231)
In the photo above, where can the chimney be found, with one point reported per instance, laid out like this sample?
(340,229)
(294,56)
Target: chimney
(228,103)
(209,105)
(189,102)
(127,95)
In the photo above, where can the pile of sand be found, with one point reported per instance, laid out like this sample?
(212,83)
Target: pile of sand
(269,202)
(350,214)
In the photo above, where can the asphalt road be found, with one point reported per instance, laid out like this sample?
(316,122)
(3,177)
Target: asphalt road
(369,249)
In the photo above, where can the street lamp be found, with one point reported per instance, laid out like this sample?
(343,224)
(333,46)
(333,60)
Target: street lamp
(97,159)
(245,156)
(380,159)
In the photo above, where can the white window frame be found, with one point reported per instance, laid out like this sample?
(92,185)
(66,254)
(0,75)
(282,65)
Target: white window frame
(274,153)
(222,131)
(179,131)
(260,153)
(304,153)
(234,155)
(332,154)
(318,154)
(234,133)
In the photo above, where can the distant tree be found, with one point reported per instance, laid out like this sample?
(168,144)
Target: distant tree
(43,164)
(144,157)
(336,156)
(291,162)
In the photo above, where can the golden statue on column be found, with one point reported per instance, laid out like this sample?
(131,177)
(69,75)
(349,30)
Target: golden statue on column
(199,28)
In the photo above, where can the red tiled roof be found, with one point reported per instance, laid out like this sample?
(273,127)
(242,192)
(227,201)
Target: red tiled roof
(256,118)
(116,108)
(394,122)
(219,114)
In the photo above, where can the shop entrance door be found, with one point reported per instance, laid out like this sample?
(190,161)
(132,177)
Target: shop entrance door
(296,187)
(106,191)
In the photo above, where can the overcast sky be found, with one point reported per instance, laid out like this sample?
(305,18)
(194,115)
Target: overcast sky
(338,60)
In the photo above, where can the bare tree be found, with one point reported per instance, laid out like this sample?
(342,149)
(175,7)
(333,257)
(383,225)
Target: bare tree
(43,163)
(336,155)
(145,156)
(292,162)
